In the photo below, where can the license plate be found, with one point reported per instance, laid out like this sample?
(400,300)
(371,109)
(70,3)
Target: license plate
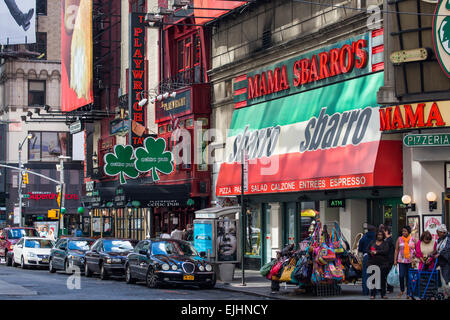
(187,277)
(44,260)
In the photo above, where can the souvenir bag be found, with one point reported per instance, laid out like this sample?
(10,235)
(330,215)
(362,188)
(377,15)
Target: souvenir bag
(325,254)
(357,265)
(275,270)
(301,270)
(336,242)
(317,273)
(336,272)
(286,275)
(265,269)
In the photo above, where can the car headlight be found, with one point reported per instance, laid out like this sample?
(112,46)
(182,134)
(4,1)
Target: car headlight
(113,260)
(208,267)
(165,267)
(31,254)
(201,268)
(174,267)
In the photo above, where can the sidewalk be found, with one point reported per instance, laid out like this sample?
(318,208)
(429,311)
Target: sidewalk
(260,286)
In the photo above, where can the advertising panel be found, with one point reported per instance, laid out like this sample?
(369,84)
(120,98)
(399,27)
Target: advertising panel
(203,236)
(76,54)
(47,229)
(431,223)
(227,241)
(17,22)
(137,78)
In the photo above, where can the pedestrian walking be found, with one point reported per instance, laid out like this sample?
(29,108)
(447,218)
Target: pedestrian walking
(189,233)
(164,234)
(177,233)
(442,255)
(425,248)
(379,256)
(404,254)
(388,239)
(363,245)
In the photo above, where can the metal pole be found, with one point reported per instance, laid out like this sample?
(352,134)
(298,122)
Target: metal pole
(63,193)
(243,224)
(20,185)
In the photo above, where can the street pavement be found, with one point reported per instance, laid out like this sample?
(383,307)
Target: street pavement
(39,284)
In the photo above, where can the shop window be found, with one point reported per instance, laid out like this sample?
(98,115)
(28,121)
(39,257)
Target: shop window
(36,92)
(309,214)
(189,123)
(137,5)
(161,129)
(48,146)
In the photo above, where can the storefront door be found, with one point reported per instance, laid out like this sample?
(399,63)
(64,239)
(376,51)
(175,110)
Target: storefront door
(267,247)
(394,215)
(289,223)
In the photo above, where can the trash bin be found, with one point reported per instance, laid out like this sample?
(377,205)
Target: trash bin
(226,272)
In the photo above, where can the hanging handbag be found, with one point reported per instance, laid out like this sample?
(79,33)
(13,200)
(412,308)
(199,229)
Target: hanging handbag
(336,241)
(265,269)
(336,272)
(325,254)
(275,270)
(287,271)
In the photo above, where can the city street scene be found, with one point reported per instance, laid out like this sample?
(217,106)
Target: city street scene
(258,151)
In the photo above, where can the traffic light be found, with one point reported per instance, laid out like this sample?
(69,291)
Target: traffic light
(25,178)
(53,214)
(58,199)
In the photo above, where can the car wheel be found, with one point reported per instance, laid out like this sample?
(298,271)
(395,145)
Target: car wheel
(103,274)
(8,259)
(22,263)
(128,278)
(50,266)
(152,279)
(209,285)
(67,269)
(87,271)
(13,263)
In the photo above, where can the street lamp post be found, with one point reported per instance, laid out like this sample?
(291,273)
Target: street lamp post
(62,187)
(28,137)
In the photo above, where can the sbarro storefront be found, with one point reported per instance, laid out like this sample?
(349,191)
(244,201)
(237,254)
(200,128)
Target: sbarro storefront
(310,128)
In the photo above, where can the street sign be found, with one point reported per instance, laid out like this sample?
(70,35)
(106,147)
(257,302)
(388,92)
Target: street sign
(245,171)
(427,140)
(25,196)
(75,127)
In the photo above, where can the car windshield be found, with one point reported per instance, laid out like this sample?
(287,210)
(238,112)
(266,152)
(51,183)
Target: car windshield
(38,243)
(117,246)
(172,247)
(80,245)
(19,233)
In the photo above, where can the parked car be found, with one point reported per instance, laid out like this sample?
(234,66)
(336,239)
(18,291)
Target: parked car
(168,261)
(9,237)
(69,252)
(107,257)
(32,251)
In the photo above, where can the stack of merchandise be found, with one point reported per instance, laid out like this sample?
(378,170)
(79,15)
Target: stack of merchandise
(323,258)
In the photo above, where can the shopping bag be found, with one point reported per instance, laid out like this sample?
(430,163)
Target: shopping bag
(393,278)
(301,270)
(265,269)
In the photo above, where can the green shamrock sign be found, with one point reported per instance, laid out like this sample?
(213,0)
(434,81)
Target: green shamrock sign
(121,162)
(154,157)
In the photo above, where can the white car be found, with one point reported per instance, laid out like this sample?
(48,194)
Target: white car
(32,251)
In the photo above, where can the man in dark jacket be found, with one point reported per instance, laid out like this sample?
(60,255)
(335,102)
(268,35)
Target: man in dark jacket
(443,255)
(363,245)
(390,242)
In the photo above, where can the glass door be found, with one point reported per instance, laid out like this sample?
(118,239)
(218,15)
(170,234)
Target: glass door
(267,247)
(289,223)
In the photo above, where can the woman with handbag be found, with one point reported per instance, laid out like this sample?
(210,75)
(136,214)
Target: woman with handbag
(379,256)
(404,254)
(275,283)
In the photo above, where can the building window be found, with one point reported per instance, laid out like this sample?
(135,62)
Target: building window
(41,7)
(189,59)
(48,146)
(36,92)
(40,46)
(137,5)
